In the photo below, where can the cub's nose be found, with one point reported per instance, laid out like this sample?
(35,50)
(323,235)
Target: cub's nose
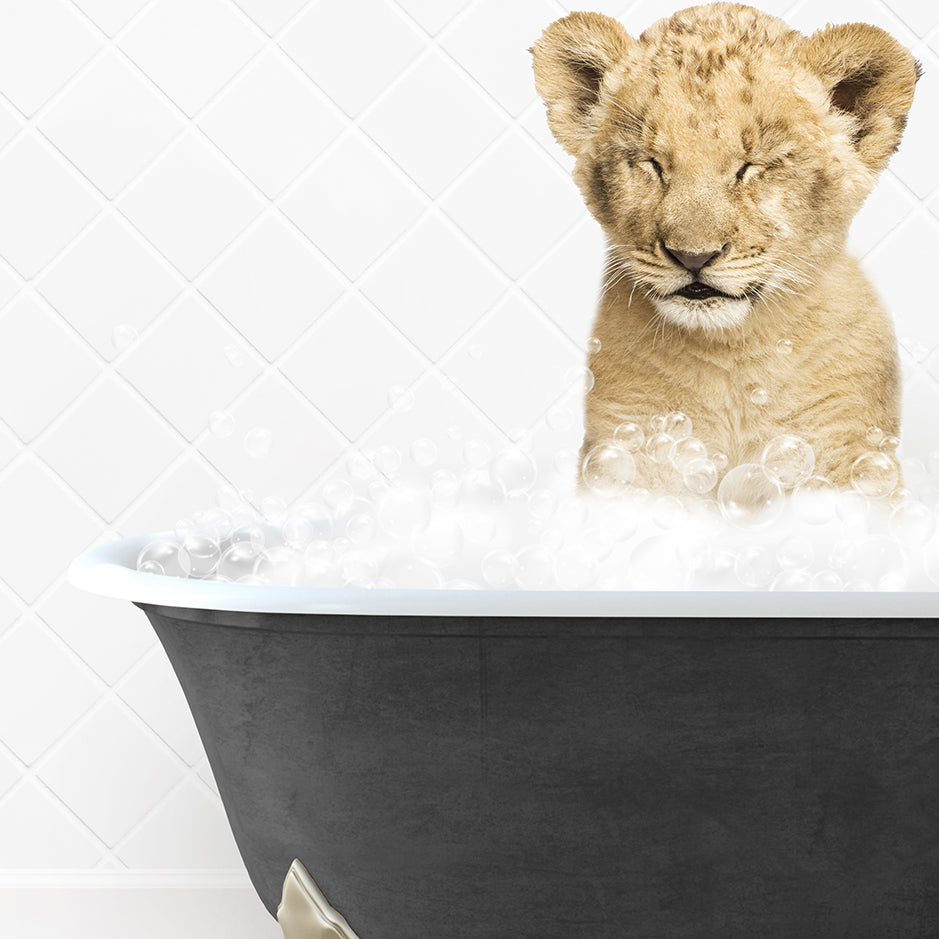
(692,260)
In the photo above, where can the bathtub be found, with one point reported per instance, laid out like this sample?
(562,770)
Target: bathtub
(474,764)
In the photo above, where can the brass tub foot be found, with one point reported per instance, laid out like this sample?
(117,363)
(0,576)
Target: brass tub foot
(304,913)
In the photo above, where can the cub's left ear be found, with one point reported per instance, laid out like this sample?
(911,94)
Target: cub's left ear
(870,76)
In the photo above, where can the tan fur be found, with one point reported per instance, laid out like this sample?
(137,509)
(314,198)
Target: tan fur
(702,94)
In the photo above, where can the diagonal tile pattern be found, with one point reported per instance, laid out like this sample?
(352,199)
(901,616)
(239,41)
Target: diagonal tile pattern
(283,208)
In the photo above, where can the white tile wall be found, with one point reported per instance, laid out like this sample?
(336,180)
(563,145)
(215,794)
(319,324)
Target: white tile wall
(282,209)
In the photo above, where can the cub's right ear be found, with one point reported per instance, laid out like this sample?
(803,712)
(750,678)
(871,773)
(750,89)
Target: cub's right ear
(571,59)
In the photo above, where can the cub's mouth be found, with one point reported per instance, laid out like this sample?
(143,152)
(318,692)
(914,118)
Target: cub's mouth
(698,291)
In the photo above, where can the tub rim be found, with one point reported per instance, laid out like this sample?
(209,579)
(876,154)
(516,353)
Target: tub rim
(109,569)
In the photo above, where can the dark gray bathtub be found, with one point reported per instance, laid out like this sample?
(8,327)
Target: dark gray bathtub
(544,777)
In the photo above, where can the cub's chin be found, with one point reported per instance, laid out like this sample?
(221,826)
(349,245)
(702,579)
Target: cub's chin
(698,307)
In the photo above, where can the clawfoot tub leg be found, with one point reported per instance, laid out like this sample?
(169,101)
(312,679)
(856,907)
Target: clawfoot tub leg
(304,913)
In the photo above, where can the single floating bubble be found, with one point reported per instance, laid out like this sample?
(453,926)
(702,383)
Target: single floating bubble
(298,532)
(160,557)
(784,347)
(657,424)
(362,528)
(607,470)
(889,443)
(593,345)
(444,487)
(700,476)
(874,436)
(659,447)
(630,436)
(400,398)
(560,417)
(912,523)
(749,498)
(273,509)
(514,470)
(677,425)
(874,474)
(222,423)
(258,442)
(580,377)
(720,460)
(795,552)
(238,560)
(247,534)
(759,396)
(788,461)
(389,460)
(423,452)
(686,451)
(199,555)
(123,336)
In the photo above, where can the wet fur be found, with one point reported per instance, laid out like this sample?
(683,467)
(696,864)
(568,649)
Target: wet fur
(663,127)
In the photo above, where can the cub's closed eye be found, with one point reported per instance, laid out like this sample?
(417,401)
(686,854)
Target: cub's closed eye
(743,170)
(655,165)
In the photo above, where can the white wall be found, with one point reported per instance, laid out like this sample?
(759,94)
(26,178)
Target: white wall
(281,209)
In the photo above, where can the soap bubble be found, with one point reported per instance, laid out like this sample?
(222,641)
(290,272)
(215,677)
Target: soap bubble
(795,552)
(889,443)
(361,465)
(424,452)
(686,451)
(280,565)
(400,398)
(444,487)
(912,523)
(700,476)
(361,528)
(388,459)
(659,447)
(759,395)
(560,417)
(222,423)
(677,425)
(273,509)
(814,500)
(608,469)
(629,436)
(593,345)
(498,568)
(874,436)
(319,517)
(404,512)
(247,533)
(160,557)
(199,555)
(657,424)
(238,560)
(792,579)
(749,498)
(874,474)
(580,377)
(514,470)
(783,347)
(720,460)
(258,442)
(298,532)
(788,460)
(755,566)
(123,336)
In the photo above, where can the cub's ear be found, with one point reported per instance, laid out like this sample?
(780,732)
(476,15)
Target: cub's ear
(570,59)
(870,76)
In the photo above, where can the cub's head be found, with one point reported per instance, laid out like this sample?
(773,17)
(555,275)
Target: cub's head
(724,153)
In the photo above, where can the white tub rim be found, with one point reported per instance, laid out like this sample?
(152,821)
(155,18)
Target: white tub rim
(109,569)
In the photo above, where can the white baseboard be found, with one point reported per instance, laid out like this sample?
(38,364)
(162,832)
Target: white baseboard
(130,906)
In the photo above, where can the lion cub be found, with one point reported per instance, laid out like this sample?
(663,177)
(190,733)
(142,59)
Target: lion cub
(725,156)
